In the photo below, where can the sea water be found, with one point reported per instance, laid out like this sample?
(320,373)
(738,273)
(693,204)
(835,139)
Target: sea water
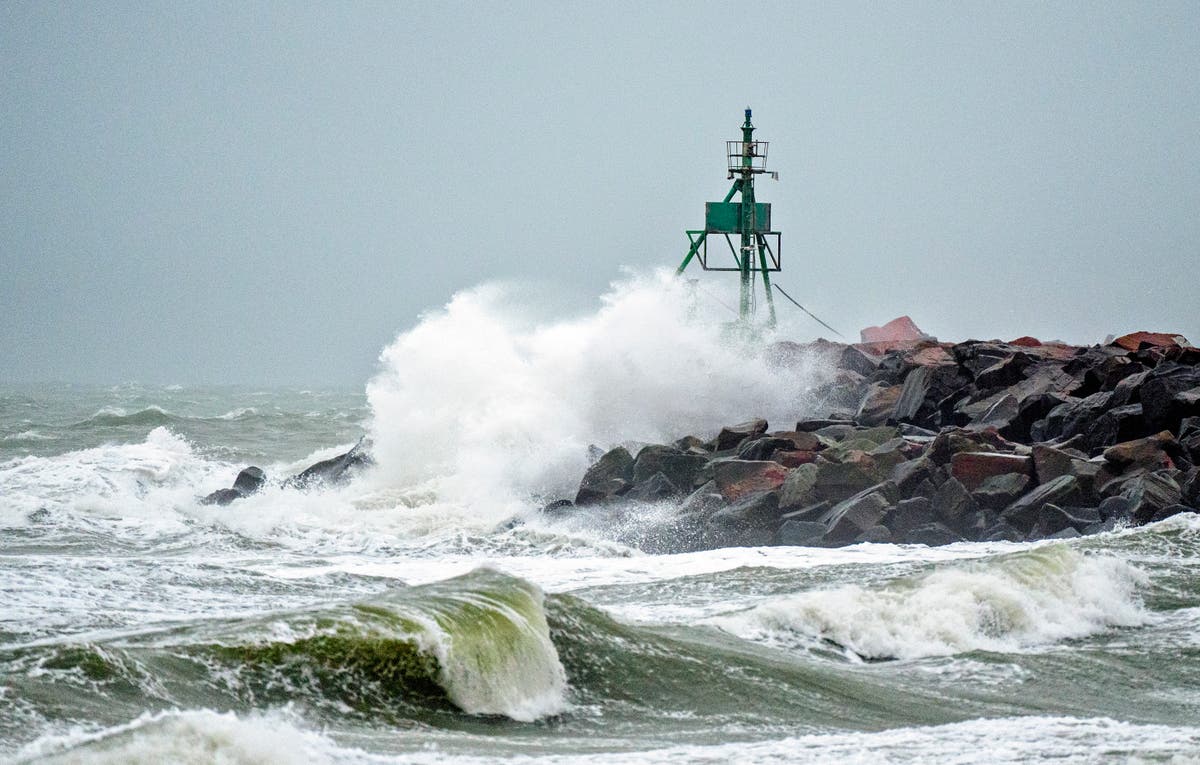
(429,612)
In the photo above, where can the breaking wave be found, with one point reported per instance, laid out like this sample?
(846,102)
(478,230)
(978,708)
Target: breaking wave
(485,405)
(479,642)
(1005,603)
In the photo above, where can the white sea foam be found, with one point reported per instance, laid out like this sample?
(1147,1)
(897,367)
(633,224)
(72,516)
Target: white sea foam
(203,736)
(1007,603)
(984,741)
(136,481)
(195,736)
(484,406)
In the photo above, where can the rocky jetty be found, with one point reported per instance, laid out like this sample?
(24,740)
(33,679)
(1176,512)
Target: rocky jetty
(932,443)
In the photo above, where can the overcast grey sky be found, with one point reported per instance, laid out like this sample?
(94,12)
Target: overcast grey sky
(268,192)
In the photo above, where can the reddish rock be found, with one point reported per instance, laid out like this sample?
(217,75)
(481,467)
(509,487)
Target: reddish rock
(795,458)
(931,356)
(973,468)
(1149,453)
(737,478)
(877,404)
(900,329)
(1026,341)
(1135,340)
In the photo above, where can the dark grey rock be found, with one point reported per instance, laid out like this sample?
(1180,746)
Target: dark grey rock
(800,533)
(1115,508)
(334,471)
(250,480)
(650,458)
(703,500)
(908,514)
(731,436)
(933,535)
(609,476)
(656,488)
(952,504)
(857,360)
(847,519)
(683,470)
(810,426)
(1121,423)
(813,512)
(1150,492)
(875,535)
(1053,519)
(999,491)
(798,488)
(1023,513)
(906,475)
(749,522)
(1162,410)
(1001,532)
(221,497)
(763,448)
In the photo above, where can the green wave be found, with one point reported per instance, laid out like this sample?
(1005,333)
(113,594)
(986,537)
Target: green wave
(478,644)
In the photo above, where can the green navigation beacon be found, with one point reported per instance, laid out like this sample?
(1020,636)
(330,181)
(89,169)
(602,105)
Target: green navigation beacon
(758,248)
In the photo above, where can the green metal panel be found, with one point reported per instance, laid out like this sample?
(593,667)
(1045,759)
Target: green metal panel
(723,217)
(726,217)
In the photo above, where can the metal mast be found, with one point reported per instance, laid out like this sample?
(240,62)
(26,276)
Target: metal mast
(749,219)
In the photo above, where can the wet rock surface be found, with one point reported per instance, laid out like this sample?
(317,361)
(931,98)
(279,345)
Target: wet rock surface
(919,442)
(335,471)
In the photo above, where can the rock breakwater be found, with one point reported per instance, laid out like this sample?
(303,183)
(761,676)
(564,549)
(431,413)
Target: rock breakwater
(932,443)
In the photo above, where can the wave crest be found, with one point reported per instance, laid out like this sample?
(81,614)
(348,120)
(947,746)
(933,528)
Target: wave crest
(1004,604)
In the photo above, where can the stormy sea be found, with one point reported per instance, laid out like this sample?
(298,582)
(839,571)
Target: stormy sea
(430,611)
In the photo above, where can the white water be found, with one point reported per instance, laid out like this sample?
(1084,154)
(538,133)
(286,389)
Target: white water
(204,737)
(486,406)
(1002,604)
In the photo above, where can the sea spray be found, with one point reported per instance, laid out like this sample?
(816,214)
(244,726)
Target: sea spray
(487,407)
(1005,603)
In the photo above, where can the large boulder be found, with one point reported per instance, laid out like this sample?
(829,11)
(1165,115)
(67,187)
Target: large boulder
(682,469)
(839,480)
(1120,423)
(731,436)
(877,404)
(973,468)
(654,489)
(1163,407)
(899,331)
(932,535)
(1135,341)
(610,475)
(335,471)
(1000,491)
(1023,513)
(851,517)
(749,522)
(1150,492)
(249,481)
(909,514)
(798,487)
(737,478)
(1151,453)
